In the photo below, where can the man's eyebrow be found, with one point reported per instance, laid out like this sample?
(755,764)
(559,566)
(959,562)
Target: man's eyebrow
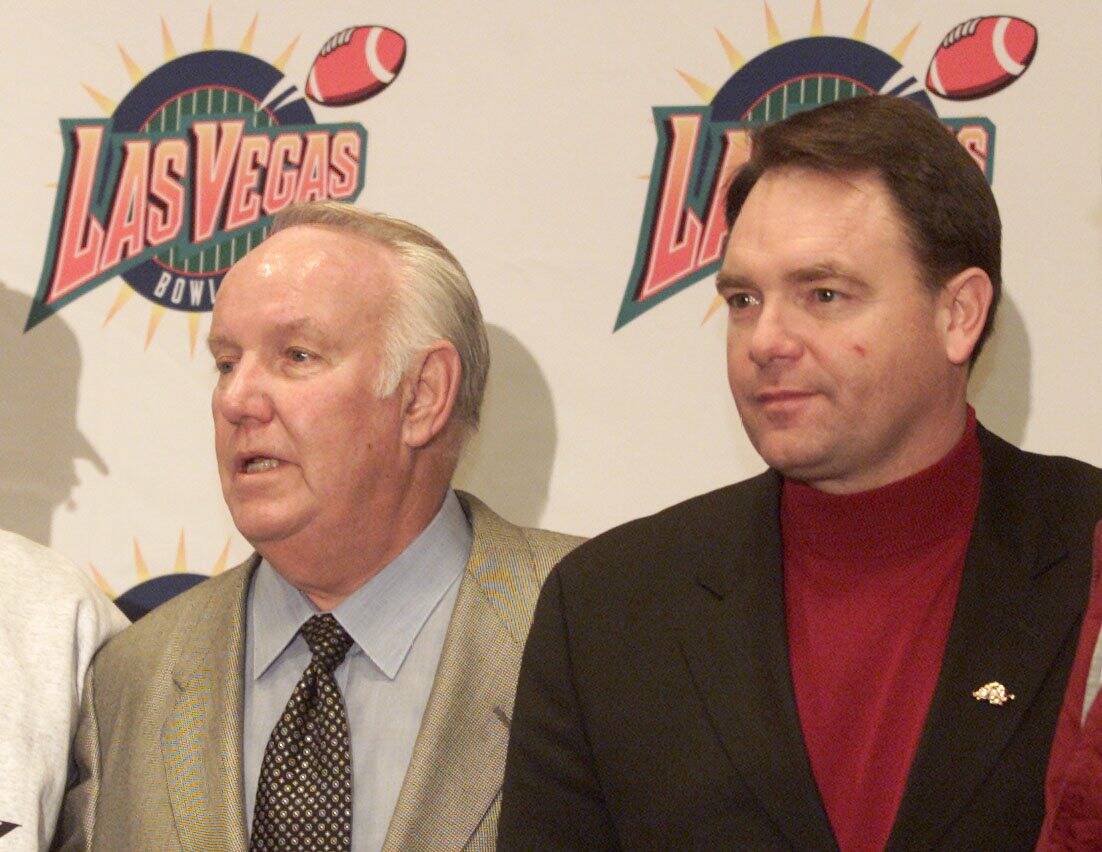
(302,324)
(804,275)
(823,272)
(728,281)
(305,325)
(218,341)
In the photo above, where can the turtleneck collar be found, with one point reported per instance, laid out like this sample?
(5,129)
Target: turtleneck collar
(905,515)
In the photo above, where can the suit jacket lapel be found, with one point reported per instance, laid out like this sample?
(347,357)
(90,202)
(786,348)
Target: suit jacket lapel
(201,737)
(737,650)
(1005,629)
(458,760)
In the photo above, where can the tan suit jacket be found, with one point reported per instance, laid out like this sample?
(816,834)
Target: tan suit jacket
(159,743)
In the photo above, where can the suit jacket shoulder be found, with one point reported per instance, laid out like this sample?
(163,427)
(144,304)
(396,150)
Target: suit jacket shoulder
(508,564)
(1064,490)
(661,554)
(167,631)
(1045,503)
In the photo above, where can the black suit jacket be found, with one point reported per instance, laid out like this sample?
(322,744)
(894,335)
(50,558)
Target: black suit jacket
(656,711)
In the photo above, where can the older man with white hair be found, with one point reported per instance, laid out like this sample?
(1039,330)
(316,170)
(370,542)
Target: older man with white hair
(351,684)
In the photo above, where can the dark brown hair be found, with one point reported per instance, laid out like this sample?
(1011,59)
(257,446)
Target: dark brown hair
(946,207)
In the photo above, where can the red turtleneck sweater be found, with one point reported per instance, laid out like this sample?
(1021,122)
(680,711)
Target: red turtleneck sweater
(870,584)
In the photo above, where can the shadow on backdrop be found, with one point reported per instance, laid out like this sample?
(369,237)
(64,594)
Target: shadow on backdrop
(39,438)
(508,463)
(1000,385)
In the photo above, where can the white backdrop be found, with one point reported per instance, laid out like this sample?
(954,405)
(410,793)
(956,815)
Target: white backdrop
(521,134)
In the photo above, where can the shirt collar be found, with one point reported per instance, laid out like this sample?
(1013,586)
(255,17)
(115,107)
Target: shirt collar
(932,505)
(383,616)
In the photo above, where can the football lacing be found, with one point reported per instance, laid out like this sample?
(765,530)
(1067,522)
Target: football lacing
(339,40)
(960,31)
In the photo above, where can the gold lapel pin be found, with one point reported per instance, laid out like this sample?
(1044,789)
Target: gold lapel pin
(993,693)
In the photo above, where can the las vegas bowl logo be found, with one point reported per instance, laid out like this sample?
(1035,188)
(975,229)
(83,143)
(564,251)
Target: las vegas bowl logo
(684,228)
(183,176)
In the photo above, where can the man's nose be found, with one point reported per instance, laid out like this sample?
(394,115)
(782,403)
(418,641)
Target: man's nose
(776,335)
(243,393)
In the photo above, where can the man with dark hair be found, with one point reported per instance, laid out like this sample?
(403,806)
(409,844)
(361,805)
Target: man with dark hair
(945,207)
(866,646)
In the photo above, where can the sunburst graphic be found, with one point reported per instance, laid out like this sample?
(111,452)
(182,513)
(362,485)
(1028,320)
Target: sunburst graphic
(156,587)
(791,76)
(216,257)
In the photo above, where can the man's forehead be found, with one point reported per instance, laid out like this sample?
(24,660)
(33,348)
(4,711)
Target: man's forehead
(798,206)
(302,280)
(299,251)
(306,258)
(807,190)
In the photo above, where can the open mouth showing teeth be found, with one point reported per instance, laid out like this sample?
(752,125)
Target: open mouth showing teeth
(260,464)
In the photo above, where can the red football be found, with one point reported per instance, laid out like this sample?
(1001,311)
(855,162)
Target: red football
(355,64)
(981,56)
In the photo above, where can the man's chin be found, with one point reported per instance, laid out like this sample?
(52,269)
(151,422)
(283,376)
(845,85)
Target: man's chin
(794,460)
(265,528)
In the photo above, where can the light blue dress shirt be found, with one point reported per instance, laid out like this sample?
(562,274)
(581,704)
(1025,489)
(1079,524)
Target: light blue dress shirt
(398,621)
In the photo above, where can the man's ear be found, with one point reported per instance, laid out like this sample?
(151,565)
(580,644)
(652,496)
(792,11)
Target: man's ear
(965,303)
(430,394)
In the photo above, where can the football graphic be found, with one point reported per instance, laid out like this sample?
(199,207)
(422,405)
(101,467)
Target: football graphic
(355,64)
(981,56)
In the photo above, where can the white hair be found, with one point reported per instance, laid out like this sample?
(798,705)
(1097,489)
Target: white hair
(432,301)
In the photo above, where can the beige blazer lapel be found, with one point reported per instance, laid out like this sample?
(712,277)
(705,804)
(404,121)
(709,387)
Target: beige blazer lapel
(454,776)
(201,737)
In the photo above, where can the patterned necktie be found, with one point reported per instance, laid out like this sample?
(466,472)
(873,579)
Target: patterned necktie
(304,796)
